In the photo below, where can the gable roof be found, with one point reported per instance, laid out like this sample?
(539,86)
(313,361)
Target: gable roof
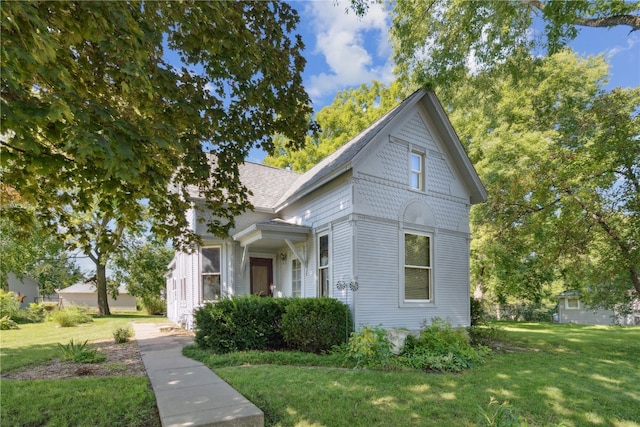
(341,160)
(267,183)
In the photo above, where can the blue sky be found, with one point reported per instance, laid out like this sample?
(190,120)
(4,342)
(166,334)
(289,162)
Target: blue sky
(344,51)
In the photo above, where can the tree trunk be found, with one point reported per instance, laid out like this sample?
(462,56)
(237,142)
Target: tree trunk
(101,285)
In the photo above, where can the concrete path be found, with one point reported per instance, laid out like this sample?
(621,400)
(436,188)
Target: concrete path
(187,392)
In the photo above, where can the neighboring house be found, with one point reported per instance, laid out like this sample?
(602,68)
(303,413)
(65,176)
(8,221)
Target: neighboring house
(572,310)
(27,289)
(382,224)
(85,294)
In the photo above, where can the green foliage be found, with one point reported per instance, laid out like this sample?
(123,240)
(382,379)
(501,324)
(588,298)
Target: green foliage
(369,347)
(7,323)
(501,415)
(35,313)
(485,335)
(71,316)
(122,334)
(462,36)
(315,324)
(35,252)
(107,126)
(141,267)
(80,352)
(240,323)
(9,304)
(351,111)
(440,347)
(478,314)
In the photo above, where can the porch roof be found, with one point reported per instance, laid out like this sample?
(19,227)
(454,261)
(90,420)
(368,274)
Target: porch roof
(272,234)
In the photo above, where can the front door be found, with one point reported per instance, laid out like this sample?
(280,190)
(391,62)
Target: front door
(261,276)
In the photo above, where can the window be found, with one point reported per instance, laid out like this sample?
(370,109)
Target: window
(417,267)
(296,278)
(210,274)
(323,265)
(572,303)
(183,291)
(417,171)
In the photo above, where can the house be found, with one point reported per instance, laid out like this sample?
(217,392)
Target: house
(572,310)
(85,294)
(25,287)
(382,224)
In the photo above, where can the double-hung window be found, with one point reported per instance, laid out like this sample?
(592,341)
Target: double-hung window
(323,265)
(572,303)
(210,274)
(417,171)
(296,278)
(417,268)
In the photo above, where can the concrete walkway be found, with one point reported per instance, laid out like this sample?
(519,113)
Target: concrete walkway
(187,392)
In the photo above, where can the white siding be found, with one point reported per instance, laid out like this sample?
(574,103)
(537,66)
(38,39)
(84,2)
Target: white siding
(342,260)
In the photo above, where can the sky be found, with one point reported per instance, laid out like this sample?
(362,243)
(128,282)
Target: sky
(344,51)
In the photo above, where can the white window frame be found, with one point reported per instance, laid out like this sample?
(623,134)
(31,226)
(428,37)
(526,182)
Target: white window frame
(323,268)
(419,173)
(296,280)
(404,302)
(568,307)
(203,274)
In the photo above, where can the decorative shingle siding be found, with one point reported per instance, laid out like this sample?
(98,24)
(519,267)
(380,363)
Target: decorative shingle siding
(416,132)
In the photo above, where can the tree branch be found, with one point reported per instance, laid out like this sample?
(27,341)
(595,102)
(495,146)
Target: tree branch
(607,21)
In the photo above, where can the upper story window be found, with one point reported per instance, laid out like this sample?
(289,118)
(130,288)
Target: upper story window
(417,267)
(296,278)
(323,265)
(210,273)
(572,303)
(417,171)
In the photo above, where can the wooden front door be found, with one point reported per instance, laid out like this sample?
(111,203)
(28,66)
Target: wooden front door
(261,276)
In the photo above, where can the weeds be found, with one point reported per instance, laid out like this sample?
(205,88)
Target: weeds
(122,335)
(80,353)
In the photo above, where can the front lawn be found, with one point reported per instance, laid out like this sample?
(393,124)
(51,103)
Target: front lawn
(123,400)
(549,375)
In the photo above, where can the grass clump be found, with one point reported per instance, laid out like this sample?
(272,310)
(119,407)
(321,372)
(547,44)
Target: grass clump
(369,348)
(6,323)
(80,353)
(72,316)
(122,334)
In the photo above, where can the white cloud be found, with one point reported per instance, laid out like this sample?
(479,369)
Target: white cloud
(632,41)
(356,50)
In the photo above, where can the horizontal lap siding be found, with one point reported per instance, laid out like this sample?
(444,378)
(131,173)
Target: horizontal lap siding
(341,255)
(452,278)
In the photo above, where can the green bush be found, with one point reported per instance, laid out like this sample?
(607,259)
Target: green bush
(122,334)
(477,312)
(154,305)
(35,313)
(315,324)
(440,347)
(71,316)
(369,347)
(6,323)
(81,353)
(9,304)
(240,323)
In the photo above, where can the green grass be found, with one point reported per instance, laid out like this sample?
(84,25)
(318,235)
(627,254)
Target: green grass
(110,401)
(553,375)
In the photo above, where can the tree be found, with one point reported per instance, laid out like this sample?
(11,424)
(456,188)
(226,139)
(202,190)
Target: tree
(142,269)
(351,111)
(97,122)
(559,156)
(438,42)
(37,254)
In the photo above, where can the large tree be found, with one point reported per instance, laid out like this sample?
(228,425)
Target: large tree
(97,120)
(437,42)
(560,158)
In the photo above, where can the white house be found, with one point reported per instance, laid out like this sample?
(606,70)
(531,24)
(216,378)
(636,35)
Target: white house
(382,224)
(25,287)
(571,309)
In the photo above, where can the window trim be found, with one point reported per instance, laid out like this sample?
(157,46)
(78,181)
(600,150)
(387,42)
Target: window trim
(319,287)
(568,307)
(419,172)
(295,269)
(202,274)
(403,301)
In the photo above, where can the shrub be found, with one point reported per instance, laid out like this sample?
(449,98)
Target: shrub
(80,353)
(440,347)
(122,335)
(240,323)
(71,316)
(35,313)
(315,324)
(154,305)
(9,304)
(6,323)
(369,347)
(477,312)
